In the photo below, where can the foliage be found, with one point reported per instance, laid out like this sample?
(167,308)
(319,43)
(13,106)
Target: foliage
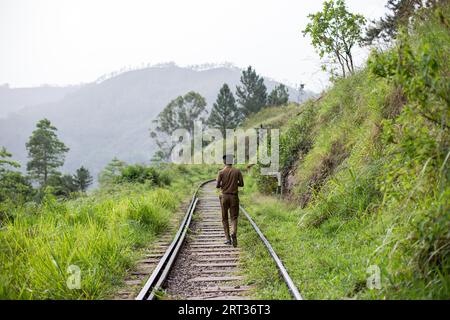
(252,93)
(225,114)
(297,139)
(82,179)
(46,152)
(271,117)
(334,32)
(417,174)
(386,28)
(4,155)
(109,174)
(98,236)
(14,186)
(104,234)
(422,73)
(141,174)
(371,157)
(279,96)
(180,113)
(61,185)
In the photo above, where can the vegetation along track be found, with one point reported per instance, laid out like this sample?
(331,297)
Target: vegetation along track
(197,264)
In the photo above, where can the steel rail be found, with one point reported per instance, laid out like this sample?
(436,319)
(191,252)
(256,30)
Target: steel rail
(163,267)
(173,255)
(160,273)
(281,268)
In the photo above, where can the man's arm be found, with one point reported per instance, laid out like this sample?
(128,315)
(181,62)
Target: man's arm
(219,180)
(241,179)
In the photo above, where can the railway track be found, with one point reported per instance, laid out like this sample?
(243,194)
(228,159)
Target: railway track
(197,264)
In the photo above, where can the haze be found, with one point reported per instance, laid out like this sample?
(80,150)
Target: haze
(69,42)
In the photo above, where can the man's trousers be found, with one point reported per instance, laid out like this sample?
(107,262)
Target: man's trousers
(229,203)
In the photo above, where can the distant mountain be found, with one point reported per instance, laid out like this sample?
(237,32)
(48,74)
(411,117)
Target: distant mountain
(111,118)
(14,99)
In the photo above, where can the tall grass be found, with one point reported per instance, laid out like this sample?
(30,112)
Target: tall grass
(99,237)
(368,182)
(100,234)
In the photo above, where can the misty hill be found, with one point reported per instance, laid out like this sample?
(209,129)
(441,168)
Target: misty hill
(14,99)
(99,121)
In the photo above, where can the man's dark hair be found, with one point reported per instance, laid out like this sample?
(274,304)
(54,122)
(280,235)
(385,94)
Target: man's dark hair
(227,159)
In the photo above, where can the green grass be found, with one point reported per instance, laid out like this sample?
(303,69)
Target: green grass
(325,263)
(272,117)
(101,234)
(367,184)
(329,261)
(258,267)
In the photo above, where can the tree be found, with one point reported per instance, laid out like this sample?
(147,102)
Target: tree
(4,155)
(180,113)
(62,185)
(46,152)
(334,32)
(278,96)
(82,179)
(387,27)
(252,95)
(111,171)
(225,113)
(13,185)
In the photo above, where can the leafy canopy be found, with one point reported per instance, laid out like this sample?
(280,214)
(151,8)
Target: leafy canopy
(110,173)
(387,27)
(279,96)
(334,32)
(252,94)
(82,179)
(225,113)
(46,152)
(180,113)
(13,185)
(4,155)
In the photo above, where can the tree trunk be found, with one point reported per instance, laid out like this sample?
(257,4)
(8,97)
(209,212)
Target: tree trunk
(349,67)
(350,57)
(338,56)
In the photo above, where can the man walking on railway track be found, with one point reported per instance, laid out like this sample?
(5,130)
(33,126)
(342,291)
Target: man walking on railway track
(229,180)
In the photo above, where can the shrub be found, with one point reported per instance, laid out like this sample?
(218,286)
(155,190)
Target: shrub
(142,174)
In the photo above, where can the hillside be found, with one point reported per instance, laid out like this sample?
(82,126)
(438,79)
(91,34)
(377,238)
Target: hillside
(365,207)
(14,99)
(112,118)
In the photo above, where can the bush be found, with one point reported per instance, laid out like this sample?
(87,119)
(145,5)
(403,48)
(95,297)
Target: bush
(15,187)
(141,174)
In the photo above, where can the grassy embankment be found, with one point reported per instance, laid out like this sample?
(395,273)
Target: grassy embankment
(101,233)
(367,178)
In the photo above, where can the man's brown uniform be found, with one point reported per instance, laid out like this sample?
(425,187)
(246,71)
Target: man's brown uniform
(229,179)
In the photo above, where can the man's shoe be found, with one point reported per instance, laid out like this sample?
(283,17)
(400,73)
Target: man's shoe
(234,240)
(227,242)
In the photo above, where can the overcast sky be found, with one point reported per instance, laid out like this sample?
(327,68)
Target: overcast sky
(72,41)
